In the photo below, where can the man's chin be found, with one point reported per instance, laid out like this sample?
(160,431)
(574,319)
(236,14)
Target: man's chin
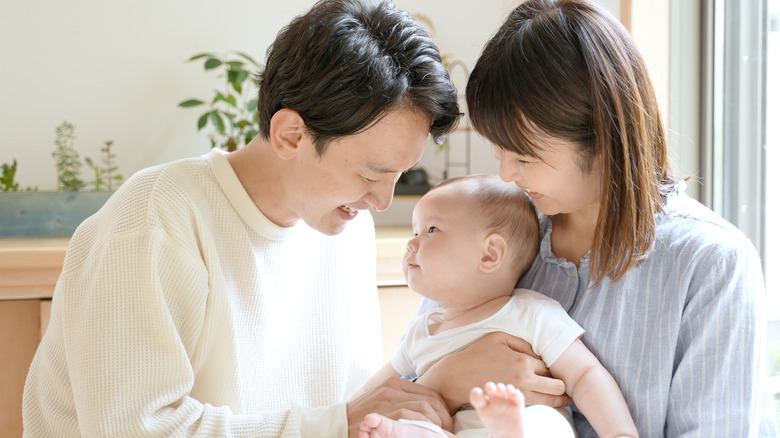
(328,229)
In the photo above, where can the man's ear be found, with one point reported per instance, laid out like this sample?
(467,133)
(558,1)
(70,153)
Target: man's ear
(286,133)
(494,249)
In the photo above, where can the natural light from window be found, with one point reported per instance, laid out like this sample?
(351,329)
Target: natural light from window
(772,192)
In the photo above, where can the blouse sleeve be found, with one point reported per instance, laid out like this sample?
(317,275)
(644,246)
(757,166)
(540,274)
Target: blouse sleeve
(717,385)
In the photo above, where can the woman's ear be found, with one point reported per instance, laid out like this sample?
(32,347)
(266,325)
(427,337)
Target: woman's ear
(494,249)
(287,129)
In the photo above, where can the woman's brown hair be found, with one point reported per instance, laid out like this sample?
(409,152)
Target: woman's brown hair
(568,69)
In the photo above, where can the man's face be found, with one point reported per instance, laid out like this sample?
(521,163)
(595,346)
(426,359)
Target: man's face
(359,171)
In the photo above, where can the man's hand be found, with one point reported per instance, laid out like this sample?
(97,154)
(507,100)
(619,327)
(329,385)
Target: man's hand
(397,398)
(497,357)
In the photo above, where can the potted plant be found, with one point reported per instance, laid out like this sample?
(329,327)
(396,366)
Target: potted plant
(232,116)
(32,213)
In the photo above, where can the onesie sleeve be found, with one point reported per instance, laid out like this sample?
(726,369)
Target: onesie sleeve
(548,328)
(401,359)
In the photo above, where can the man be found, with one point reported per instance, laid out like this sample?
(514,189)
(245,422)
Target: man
(234,294)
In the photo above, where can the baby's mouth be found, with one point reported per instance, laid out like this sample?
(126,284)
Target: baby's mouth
(346,209)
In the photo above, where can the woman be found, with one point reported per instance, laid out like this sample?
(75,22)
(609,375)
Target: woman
(671,296)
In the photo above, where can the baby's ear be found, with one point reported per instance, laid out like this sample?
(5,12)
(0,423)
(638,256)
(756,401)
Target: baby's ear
(286,132)
(493,253)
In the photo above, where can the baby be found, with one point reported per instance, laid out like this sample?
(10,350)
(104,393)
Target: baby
(474,237)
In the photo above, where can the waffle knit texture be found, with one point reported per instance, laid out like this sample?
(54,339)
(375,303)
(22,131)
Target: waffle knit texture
(183,311)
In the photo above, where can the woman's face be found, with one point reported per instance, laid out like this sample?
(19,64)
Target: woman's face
(554,181)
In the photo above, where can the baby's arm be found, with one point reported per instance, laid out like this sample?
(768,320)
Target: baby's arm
(594,391)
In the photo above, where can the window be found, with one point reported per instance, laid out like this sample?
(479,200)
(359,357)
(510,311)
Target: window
(772,190)
(736,122)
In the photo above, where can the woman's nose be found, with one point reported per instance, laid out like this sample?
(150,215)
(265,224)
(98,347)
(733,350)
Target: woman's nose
(506,171)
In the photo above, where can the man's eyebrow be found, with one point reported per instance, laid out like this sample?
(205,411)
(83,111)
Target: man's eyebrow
(380,169)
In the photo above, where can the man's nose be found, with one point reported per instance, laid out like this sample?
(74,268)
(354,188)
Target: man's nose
(381,198)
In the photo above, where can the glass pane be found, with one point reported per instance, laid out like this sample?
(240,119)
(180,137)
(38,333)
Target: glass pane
(772,205)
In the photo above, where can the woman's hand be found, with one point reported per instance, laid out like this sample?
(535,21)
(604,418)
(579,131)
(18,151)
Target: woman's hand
(398,398)
(497,357)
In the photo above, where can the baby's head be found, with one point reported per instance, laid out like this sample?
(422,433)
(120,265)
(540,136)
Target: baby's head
(474,223)
(503,208)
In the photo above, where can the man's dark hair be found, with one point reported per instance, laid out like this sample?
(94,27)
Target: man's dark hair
(346,63)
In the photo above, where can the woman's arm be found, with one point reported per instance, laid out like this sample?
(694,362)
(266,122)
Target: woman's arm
(719,383)
(497,357)
(594,391)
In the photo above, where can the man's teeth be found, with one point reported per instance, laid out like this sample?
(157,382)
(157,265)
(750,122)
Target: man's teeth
(347,209)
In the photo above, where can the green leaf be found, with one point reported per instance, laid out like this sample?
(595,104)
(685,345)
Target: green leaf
(242,75)
(190,102)
(248,58)
(252,105)
(202,121)
(250,135)
(212,63)
(229,99)
(218,97)
(200,55)
(235,65)
(217,121)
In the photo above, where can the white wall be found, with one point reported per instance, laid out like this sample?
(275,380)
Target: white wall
(117,70)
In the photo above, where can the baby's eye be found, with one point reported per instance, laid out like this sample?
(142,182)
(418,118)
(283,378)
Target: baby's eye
(369,180)
(432,230)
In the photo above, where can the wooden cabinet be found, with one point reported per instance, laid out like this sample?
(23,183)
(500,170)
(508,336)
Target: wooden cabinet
(29,269)
(28,272)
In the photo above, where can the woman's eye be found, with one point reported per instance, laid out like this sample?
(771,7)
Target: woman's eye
(369,180)
(432,230)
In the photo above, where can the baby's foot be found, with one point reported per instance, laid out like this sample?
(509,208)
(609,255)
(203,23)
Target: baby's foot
(500,407)
(379,426)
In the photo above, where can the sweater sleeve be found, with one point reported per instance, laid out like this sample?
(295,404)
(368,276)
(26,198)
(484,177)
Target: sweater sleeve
(130,314)
(717,383)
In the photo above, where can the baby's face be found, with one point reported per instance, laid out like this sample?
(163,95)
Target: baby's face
(443,257)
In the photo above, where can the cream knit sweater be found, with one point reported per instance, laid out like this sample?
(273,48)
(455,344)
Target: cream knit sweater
(182,311)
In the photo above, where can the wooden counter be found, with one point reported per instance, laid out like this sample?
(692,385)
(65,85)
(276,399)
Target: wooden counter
(29,269)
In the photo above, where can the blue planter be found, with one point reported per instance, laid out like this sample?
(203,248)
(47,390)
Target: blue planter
(46,214)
